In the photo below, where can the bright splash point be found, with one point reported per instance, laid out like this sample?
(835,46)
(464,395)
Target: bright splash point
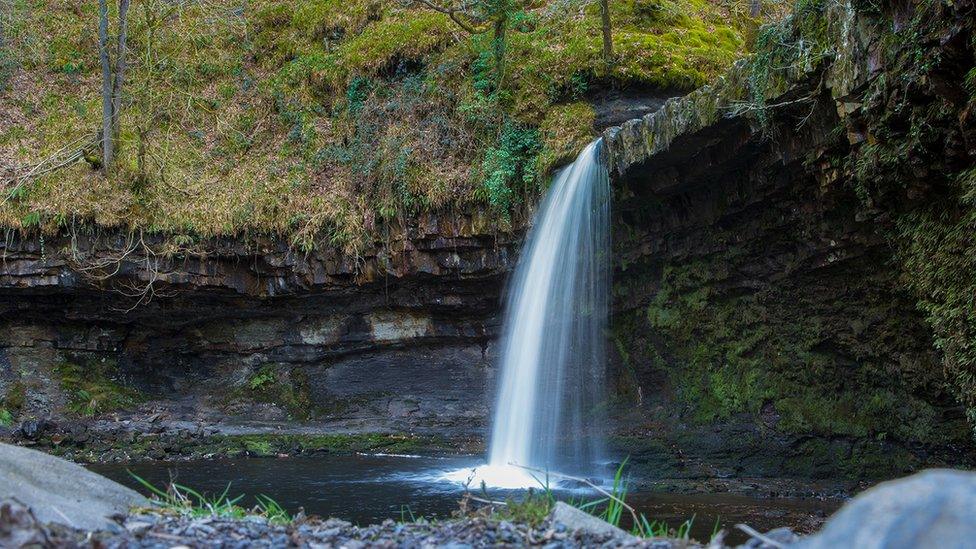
(506,477)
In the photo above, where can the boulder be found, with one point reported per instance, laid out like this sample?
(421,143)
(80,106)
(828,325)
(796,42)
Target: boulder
(576,520)
(934,508)
(19,528)
(63,492)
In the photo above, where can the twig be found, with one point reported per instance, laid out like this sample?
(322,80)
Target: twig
(488,501)
(75,151)
(765,539)
(742,107)
(452,13)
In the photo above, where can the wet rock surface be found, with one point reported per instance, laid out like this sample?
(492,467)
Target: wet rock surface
(61,491)
(931,509)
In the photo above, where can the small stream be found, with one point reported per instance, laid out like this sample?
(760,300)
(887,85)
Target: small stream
(366,489)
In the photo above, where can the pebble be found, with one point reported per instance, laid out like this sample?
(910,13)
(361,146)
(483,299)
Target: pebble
(169,532)
(138,528)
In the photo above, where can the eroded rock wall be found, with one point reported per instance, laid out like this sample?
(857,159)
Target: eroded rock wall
(398,339)
(767,318)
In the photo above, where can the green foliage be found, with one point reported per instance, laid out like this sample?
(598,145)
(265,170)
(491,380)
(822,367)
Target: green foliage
(563,134)
(6,417)
(93,387)
(186,501)
(533,508)
(936,249)
(265,376)
(509,167)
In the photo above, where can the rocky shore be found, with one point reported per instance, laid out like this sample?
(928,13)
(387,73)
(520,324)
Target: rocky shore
(18,527)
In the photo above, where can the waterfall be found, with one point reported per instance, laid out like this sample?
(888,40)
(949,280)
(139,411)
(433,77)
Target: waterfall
(553,348)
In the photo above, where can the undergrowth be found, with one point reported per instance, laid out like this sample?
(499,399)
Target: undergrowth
(322,121)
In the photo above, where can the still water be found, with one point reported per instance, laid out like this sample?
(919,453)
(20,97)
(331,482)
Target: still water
(364,489)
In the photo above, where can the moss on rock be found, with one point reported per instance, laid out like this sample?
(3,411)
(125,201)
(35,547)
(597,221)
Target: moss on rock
(181,445)
(833,355)
(93,387)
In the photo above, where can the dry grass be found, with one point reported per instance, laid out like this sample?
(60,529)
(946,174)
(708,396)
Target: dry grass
(318,121)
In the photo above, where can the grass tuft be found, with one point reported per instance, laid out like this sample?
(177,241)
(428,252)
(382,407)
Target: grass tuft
(181,500)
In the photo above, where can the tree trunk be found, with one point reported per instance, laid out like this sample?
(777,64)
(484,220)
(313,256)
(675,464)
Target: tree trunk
(501,25)
(755,7)
(106,85)
(607,32)
(119,67)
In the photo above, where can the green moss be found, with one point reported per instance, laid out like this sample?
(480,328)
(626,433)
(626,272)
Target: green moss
(866,459)
(93,387)
(287,388)
(16,396)
(564,132)
(256,447)
(785,347)
(908,175)
(14,401)
(382,45)
(168,446)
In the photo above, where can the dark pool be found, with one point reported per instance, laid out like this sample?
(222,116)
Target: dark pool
(370,488)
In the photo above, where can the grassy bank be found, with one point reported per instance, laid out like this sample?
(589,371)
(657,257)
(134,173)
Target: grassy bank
(320,121)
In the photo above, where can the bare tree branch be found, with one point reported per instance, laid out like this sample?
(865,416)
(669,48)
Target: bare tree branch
(455,13)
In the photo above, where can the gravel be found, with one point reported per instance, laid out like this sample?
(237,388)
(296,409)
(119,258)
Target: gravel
(18,525)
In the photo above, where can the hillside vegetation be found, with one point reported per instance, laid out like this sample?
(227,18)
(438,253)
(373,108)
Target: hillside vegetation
(320,120)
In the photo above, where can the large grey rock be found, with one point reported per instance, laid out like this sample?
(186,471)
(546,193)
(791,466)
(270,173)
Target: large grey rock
(574,519)
(60,491)
(934,508)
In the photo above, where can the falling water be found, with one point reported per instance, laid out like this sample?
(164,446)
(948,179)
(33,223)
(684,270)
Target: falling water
(553,346)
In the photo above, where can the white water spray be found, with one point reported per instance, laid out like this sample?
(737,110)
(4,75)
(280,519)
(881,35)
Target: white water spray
(553,346)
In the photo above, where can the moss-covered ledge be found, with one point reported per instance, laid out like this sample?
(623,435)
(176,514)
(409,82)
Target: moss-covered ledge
(178,446)
(826,42)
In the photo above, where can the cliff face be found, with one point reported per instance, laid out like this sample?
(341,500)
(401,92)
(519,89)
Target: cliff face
(392,340)
(791,253)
